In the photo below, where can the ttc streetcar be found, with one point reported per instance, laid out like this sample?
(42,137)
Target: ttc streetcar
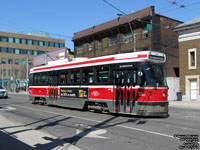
(129,83)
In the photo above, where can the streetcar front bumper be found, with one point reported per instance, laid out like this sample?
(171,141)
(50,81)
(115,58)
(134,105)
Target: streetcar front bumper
(154,109)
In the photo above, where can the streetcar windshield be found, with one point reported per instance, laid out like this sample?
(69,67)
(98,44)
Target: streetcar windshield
(153,75)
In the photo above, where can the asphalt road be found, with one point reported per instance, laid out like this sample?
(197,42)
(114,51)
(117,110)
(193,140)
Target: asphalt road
(28,126)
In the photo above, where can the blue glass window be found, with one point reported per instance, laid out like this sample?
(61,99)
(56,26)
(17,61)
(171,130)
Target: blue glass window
(23,62)
(23,51)
(24,41)
(10,61)
(10,72)
(57,45)
(61,45)
(46,43)
(41,43)
(4,39)
(52,44)
(16,61)
(4,50)
(29,52)
(17,40)
(4,72)
(3,60)
(35,42)
(30,42)
(10,40)
(10,50)
(17,51)
(35,53)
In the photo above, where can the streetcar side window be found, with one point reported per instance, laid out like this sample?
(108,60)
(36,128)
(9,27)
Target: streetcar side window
(75,76)
(44,78)
(36,79)
(63,78)
(102,74)
(88,76)
(30,79)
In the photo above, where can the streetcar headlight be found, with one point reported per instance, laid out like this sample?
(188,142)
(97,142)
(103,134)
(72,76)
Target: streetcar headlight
(163,94)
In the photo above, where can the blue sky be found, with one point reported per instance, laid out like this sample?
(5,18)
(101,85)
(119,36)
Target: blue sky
(64,17)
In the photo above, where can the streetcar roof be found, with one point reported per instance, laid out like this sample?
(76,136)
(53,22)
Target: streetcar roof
(143,56)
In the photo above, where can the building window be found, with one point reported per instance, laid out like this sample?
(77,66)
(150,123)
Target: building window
(10,40)
(113,40)
(4,50)
(145,33)
(17,40)
(10,61)
(51,44)
(16,61)
(35,42)
(10,72)
(62,45)
(16,72)
(57,45)
(30,42)
(99,44)
(3,61)
(192,59)
(10,50)
(35,53)
(79,49)
(41,43)
(30,62)
(90,46)
(29,52)
(127,37)
(23,62)
(24,41)
(4,72)
(4,39)
(46,43)
(17,51)
(23,51)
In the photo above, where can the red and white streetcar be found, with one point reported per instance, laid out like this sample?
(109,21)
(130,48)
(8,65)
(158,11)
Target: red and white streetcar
(129,83)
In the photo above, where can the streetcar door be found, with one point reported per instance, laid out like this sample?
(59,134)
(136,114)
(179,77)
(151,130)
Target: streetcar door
(53,89)
(123,87)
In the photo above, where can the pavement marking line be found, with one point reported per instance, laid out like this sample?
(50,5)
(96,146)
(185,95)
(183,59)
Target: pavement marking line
(122,126)
(32,137)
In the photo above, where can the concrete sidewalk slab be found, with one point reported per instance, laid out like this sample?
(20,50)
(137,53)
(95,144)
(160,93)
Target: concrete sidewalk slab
(185,104)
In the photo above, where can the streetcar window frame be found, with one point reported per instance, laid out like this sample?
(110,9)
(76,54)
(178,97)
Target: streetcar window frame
(87,79)
(65,80)
(100,82)
(74,80)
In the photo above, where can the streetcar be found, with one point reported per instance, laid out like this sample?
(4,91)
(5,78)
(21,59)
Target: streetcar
(129,83)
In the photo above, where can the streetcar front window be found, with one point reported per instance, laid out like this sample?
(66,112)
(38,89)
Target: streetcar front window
(153,75)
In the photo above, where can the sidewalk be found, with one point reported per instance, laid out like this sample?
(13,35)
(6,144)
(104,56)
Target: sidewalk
(18,93)
(185,104)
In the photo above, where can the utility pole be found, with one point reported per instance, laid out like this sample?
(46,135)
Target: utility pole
(2,73)
(132,33)
(27,73)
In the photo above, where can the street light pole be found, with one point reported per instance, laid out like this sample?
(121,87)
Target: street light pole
(132,33)
(2,73)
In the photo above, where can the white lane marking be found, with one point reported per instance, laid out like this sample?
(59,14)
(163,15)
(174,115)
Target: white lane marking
(122,126)
(32,137)
(7,108)
(90,132)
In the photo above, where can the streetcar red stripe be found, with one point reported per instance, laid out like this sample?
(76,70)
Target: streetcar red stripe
(89,62)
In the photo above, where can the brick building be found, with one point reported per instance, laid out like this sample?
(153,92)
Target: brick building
(189,59)
(150,31)
(17,49)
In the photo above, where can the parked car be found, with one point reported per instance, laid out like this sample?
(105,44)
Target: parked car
(3,92)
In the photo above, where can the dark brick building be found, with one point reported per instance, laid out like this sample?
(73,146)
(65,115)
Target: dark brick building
(151,31)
